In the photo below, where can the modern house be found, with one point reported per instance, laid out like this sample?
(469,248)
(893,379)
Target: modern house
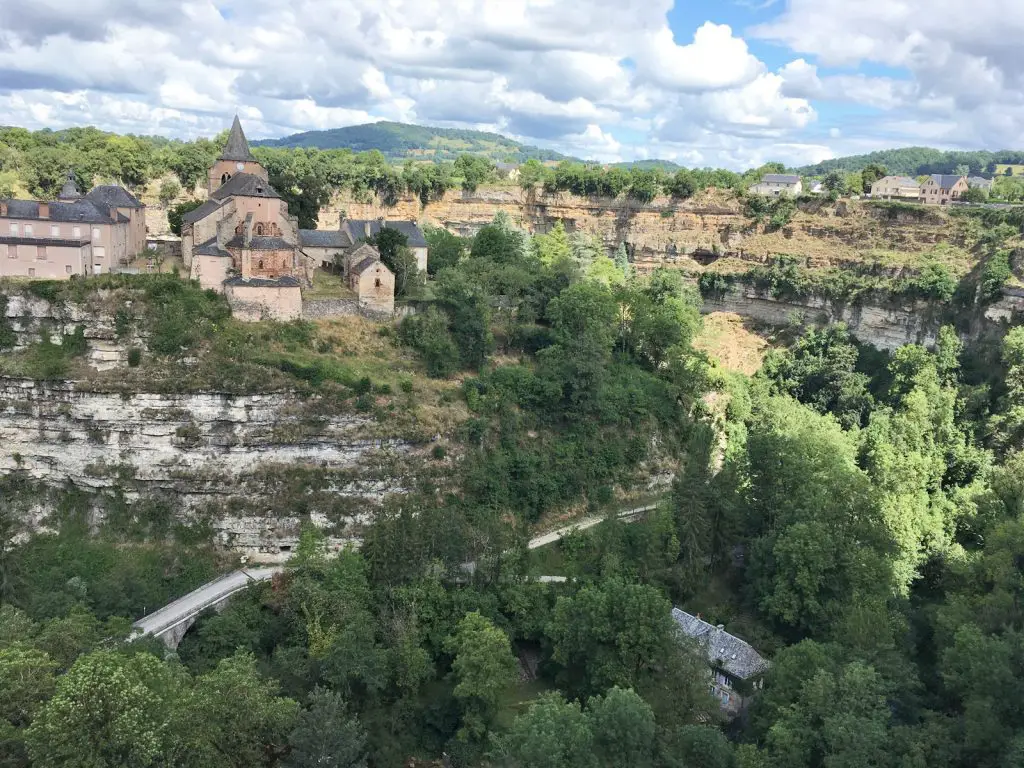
(736,669)
(896,187)
(776,184)
(943,189)
(73,235)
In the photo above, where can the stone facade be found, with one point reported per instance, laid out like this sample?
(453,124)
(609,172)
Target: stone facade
(943,189)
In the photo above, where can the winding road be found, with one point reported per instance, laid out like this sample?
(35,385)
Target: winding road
(171,622)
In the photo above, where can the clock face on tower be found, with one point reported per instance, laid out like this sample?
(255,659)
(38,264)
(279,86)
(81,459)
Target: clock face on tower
(240,166)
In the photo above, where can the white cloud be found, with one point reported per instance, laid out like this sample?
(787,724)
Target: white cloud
(714,60)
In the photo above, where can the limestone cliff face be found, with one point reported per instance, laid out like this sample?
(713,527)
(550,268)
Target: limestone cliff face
(668,231)
(251,467)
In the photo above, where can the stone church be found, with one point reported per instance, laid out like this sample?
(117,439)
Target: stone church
(242,240)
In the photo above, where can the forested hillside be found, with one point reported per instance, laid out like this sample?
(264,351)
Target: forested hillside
(399,141)
(855,515)
(917,161)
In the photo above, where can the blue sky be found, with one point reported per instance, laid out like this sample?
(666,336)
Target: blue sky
(709,83)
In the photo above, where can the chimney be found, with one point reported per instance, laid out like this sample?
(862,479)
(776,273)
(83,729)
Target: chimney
(44,210)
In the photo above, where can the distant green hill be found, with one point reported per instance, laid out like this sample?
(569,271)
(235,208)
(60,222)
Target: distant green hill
(399,141)
(647,165)
(917,161)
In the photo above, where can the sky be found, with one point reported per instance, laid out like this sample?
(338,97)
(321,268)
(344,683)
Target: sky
(723,83)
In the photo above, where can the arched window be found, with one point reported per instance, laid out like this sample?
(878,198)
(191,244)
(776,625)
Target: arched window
(259,230)
(224,178)
(261,264)
(377,283)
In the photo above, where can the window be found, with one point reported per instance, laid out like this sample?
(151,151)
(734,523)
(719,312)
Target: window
(14,229)
(40,253)
(76,232)
(67,268)
(95,233)
(376,283)
(99,251)
(28,230)
(31,272)
(54,230)
(261,264)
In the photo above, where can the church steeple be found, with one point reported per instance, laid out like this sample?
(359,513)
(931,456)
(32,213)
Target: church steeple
(237,148)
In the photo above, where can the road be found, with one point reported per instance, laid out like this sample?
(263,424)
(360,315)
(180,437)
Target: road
(184,609)
(582,525)
(197,601)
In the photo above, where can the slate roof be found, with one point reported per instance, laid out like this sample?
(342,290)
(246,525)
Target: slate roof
(946,180)
(357,230)
(210,248)
(324,238)
(56,242)
(70,190)
(732,655)
(261,243)
(366,263)
(200,213)
(900,181)
(85,211)
(113,196)
(263,282)
(237,148)
(980,181)
(780,178)
(244,185)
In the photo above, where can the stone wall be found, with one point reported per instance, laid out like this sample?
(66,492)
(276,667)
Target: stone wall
(319,309)
(251,467)
(252,303)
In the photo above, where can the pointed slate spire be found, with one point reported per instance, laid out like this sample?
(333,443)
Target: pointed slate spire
(237,148)
(70,189)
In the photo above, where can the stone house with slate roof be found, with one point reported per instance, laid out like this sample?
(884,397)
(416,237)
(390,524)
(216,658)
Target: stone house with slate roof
(372,281)
(943,188)
(777,184)
(324,245)
(737,670)
(244,236)
(73,235)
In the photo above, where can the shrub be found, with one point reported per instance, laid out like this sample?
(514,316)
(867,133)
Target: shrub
(428,334)
(74,344)
(134,357)
(995,274)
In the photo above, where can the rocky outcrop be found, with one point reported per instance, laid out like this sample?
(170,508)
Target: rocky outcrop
(249,467)
(32,317)
(886,327)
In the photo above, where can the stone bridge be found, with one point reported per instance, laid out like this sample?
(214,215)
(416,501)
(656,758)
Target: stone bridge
(172,621)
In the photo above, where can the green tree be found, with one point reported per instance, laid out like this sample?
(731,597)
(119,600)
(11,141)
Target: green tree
(469,317)
(483,669)
(553,733)
(871,173)
(108,710)
(428,334)
(446,249)
(233,717)
(169,190)
(176,214)
(475,170)
(326,736)
(554,246)
(623,727)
